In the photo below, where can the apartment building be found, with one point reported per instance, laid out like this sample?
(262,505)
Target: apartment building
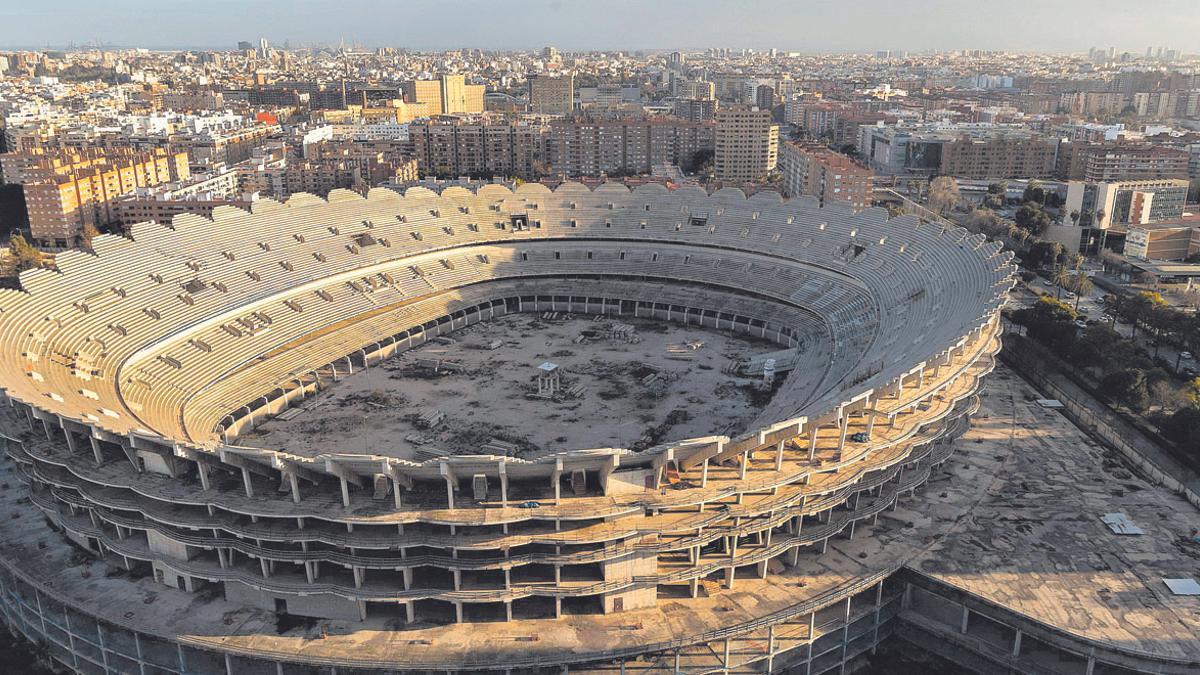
(974,151)
(999,157)
(831,177)
(626,145)
(281,178)
(746,146)
(695,109)
(198,195)
(66,190)
(552,95)
(484,145)
(1111,162)
(446,95)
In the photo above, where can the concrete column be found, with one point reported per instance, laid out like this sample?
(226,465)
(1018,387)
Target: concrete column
(246,482)
(449,476)
(96,449)
(812,443)
(704,473)
(503,486)
(346,491)
(410,613)
(1016,648)
(729,574)
(779,456)
(966,615)
(295,483)
(745,464)
(202,470)
(458,612)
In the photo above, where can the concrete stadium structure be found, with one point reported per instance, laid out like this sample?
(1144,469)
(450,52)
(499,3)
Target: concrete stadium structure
(132,371)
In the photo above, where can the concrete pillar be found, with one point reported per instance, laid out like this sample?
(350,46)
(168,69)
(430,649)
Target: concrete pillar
(247,483)
(1016,648)
(729,574)
(410,613)
(745,464)
(966,615)
(704,473)
(202,470)
(96,449)
(458,612)
(295,483)
(779,456)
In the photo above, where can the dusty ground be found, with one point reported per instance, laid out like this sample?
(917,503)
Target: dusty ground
(484,392)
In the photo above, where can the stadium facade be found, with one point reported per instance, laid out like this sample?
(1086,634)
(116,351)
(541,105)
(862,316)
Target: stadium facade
(130,372)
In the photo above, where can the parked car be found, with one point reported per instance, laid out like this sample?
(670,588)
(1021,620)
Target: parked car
(529,505)
(1080,323)
(1186,356)
(860,437)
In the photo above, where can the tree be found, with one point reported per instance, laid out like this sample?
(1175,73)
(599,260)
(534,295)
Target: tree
(86,235)
(987,222)
(1126,387)
(1043,254)
(1050,322)
(1095,347)
(943,195)
(1034,193)
(1161,392)
(1031,217)
(1062,279)
(1081,285)
(1184,428)
(1138,308)
(25,256)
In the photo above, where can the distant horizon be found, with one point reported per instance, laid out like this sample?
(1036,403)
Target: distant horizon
(805,26)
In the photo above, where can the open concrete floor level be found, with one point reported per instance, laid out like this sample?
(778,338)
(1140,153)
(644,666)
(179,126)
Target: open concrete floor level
(1006,539)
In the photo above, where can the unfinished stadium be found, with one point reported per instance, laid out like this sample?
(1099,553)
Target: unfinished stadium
(250,431)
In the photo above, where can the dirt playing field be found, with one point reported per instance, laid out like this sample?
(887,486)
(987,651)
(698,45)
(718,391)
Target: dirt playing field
(624,382)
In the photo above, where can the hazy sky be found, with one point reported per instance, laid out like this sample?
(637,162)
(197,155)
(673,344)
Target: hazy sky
(797,25)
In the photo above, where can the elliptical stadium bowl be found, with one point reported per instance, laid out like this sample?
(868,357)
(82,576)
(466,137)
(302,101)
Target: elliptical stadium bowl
(131,372)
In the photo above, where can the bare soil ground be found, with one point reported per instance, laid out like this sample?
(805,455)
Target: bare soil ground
(628,383)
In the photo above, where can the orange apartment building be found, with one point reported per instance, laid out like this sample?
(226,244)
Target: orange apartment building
(815,171)
(66,190)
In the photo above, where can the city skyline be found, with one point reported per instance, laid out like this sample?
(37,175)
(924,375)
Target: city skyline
(807,26)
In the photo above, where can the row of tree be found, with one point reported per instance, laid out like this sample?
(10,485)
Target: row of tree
(1119,369)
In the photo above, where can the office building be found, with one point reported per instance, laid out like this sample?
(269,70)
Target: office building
(1163,241)
(1098,215)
